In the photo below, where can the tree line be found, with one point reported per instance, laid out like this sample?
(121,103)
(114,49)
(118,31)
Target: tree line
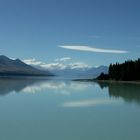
(127,71)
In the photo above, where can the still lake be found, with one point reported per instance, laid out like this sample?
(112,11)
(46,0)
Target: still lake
(41,109)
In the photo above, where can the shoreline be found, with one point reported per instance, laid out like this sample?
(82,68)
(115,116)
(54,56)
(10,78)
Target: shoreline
(123,82)
(106,81)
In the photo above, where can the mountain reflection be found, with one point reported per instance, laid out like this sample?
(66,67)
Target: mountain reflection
(129,92)
(8,85)
(34,85)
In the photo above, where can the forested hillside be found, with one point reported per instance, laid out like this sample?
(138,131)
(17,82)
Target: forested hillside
(127,71)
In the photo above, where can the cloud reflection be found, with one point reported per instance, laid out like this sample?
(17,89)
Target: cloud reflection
(61,87)
(88,103)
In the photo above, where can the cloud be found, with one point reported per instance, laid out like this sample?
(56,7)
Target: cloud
(63,59)
(92,49)
(52,66)
(78,65)
(43,65)
(33,61)
(60,65)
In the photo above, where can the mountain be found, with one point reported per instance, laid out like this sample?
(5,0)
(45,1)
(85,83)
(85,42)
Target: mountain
(94,72)
(81,72)
(10,67)
(69,70)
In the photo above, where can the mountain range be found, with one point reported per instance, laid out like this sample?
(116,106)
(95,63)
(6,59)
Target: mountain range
(10,67)
(92,72)
(68,71)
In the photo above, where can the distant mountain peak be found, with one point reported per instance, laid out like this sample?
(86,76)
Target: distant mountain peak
(18,60)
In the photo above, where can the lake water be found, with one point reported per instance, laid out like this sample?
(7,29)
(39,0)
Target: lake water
(35,109)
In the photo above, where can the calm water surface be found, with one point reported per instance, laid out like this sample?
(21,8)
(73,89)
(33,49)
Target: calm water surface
(32,109)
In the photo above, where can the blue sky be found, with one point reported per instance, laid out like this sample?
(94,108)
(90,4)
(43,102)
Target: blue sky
(51,29)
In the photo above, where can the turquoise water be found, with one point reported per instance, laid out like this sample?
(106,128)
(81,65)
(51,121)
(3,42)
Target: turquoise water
(35,109)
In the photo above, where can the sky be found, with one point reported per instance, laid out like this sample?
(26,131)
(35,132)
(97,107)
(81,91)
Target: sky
(87,32)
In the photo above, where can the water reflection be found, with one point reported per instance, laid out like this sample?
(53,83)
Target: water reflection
(62,87)
(8,85)
(89,103)
(35,85)
(129,92)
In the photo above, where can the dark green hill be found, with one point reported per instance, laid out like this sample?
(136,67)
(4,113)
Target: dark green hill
(127,71)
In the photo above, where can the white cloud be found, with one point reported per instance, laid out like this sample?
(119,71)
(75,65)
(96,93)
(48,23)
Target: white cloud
(43,65)
(62,59)
(78,65)
(33,62)
(92,49)
(56,65)
(53,66)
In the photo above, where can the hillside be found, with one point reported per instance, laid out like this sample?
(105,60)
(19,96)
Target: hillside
(10,67)
(127,71)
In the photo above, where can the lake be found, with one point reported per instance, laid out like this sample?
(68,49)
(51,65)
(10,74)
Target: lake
(45,109)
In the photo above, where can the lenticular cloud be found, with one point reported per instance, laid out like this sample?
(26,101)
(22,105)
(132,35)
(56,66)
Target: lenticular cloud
(92,49)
